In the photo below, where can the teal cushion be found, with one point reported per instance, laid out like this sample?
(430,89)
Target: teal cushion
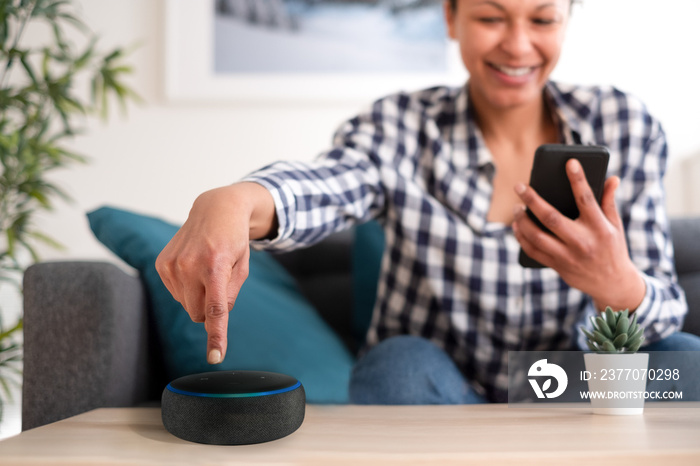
(367,252)
(272,327)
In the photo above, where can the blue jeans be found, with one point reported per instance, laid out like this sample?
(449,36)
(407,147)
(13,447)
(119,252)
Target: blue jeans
(679,341)
(408,370)
(687,364)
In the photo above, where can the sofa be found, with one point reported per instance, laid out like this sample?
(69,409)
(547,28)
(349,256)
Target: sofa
(89,331)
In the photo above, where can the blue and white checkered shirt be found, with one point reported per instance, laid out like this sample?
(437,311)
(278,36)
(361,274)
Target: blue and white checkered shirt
(419,164)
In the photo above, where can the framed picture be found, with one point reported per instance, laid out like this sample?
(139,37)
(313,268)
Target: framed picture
(305,50)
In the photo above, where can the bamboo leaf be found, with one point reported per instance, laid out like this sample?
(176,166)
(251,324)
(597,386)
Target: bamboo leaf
(6,389)
(39,111)
(29,70)
(113,56)
(84,59)
(31,250)
(47,240)
(11,242)
(74,21)
(18,326)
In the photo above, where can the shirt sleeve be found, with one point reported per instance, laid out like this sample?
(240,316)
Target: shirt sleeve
(341,187)
(664,306)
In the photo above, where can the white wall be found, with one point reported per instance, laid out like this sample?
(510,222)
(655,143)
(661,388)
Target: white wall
(158,158)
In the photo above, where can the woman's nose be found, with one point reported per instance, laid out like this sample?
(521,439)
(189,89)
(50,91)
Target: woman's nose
(517,40)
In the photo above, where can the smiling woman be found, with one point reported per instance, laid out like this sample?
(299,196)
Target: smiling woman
(444,170)
(510,48)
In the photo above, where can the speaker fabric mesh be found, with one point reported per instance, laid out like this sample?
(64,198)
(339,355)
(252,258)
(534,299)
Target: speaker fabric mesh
(233,421)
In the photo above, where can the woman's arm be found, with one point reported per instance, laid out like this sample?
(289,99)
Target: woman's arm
(206,262)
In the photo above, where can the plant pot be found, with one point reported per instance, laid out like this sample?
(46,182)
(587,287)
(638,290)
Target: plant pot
(621,378)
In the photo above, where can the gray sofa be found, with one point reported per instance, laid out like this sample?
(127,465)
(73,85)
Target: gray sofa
(88,341)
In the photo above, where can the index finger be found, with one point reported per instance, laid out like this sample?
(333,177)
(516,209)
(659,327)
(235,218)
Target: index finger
(216,322)
(546,213)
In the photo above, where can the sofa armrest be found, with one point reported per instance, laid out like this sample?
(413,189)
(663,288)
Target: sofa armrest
(86,340)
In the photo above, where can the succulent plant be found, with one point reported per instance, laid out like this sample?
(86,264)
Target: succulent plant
(614,332)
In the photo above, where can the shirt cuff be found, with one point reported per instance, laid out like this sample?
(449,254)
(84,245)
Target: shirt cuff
(645,308)
(285,208)
(658,323)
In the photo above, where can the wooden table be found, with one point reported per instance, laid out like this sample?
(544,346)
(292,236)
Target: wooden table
(483,434)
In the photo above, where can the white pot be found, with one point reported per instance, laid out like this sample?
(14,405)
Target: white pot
(621,378)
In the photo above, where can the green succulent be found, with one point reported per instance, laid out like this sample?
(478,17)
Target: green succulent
(614,332)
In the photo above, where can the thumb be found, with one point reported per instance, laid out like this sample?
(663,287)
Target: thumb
(608,204)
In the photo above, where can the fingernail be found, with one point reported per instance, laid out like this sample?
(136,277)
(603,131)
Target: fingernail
(516,210)
(214,356)
(574,166)
(520,188)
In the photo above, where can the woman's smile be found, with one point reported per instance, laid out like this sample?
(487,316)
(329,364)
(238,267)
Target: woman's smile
(514,75)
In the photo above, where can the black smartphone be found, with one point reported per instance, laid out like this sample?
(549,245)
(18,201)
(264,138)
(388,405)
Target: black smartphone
(549,179)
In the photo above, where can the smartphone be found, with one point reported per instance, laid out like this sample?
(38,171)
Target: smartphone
(549,179)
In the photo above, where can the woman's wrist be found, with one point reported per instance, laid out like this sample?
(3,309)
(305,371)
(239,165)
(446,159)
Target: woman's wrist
(248,204)
(258,206)
(627,293)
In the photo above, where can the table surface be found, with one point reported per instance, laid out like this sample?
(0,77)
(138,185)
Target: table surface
(480,434)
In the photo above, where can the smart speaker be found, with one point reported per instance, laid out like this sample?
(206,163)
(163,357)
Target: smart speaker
(233,407)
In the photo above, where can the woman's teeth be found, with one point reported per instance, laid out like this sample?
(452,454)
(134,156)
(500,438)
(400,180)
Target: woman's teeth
(521,71)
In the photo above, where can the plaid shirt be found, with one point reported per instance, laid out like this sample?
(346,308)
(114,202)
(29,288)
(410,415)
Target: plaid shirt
(419,164)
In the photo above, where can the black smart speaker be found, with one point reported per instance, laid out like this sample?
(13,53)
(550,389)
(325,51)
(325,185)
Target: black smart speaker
(233,407)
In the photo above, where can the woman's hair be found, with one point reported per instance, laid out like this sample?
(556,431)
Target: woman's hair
(453,3)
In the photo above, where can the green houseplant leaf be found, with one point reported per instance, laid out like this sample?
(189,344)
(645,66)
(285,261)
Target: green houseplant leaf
(614,332)
(42,106)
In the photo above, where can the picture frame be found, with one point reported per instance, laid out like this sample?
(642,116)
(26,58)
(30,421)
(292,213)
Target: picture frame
(190,77)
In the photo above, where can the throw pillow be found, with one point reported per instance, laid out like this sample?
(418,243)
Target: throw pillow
(272,327)
(367,252)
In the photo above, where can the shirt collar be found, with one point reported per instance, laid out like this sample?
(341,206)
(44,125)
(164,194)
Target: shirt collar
(477,152)
(571,106)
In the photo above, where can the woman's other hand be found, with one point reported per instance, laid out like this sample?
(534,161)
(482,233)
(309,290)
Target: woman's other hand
(589,253)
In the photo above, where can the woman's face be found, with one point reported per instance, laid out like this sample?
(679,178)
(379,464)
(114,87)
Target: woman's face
(509,47)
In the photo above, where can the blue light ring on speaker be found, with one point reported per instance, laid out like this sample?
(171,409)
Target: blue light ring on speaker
(233,395)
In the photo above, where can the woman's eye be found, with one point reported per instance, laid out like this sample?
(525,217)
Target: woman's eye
(543,21)
(490,19)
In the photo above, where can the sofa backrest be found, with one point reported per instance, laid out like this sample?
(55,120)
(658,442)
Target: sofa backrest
(324,273)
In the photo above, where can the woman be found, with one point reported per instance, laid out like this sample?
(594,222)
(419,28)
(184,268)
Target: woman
(445,172)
